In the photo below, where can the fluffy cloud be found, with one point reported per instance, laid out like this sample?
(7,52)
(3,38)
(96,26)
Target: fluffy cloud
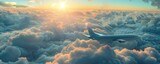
(10,53)
(9,23)
(153,2)
(148,56)
(10,4)
(89,52)
(34,39)
(147,48)
(34,36)
(7,4)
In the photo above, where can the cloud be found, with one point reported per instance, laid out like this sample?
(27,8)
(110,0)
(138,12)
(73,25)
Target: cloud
(35,41)
(7,4)
(84,52)
(40,36)
(148,56)
(124,23)
(153,2)
(22,21)
(10,53)
(22,60)
(89,52)
(11,4)
(21,6)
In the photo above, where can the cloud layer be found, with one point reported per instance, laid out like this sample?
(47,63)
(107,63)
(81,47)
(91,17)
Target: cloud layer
(30,36)
(89,52)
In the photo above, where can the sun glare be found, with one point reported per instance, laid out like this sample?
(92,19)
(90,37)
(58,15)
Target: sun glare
(62,5)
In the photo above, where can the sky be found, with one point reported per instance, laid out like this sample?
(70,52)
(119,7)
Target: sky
(113,4)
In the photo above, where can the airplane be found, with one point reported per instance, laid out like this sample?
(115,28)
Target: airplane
(110,38)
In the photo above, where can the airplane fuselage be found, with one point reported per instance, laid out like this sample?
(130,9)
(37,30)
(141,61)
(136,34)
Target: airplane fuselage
(114,37)
(111,38)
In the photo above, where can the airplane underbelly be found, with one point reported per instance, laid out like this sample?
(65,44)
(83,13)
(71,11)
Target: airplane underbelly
(128,44)
(105,41)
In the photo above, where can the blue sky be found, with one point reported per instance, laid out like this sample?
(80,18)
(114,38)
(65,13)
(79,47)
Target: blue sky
(129,3)
(120,3)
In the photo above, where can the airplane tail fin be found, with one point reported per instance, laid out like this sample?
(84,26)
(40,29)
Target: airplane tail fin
(91,33)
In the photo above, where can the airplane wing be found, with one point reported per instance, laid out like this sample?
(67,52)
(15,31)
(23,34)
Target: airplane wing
(95,33)
(86,35)
(99,34)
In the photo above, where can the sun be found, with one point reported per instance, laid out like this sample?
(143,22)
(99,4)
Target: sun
(62,5)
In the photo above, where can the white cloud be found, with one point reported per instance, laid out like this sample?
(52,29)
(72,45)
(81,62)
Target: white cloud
(39,35)
(7,4)
(11,4)
(89,52)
